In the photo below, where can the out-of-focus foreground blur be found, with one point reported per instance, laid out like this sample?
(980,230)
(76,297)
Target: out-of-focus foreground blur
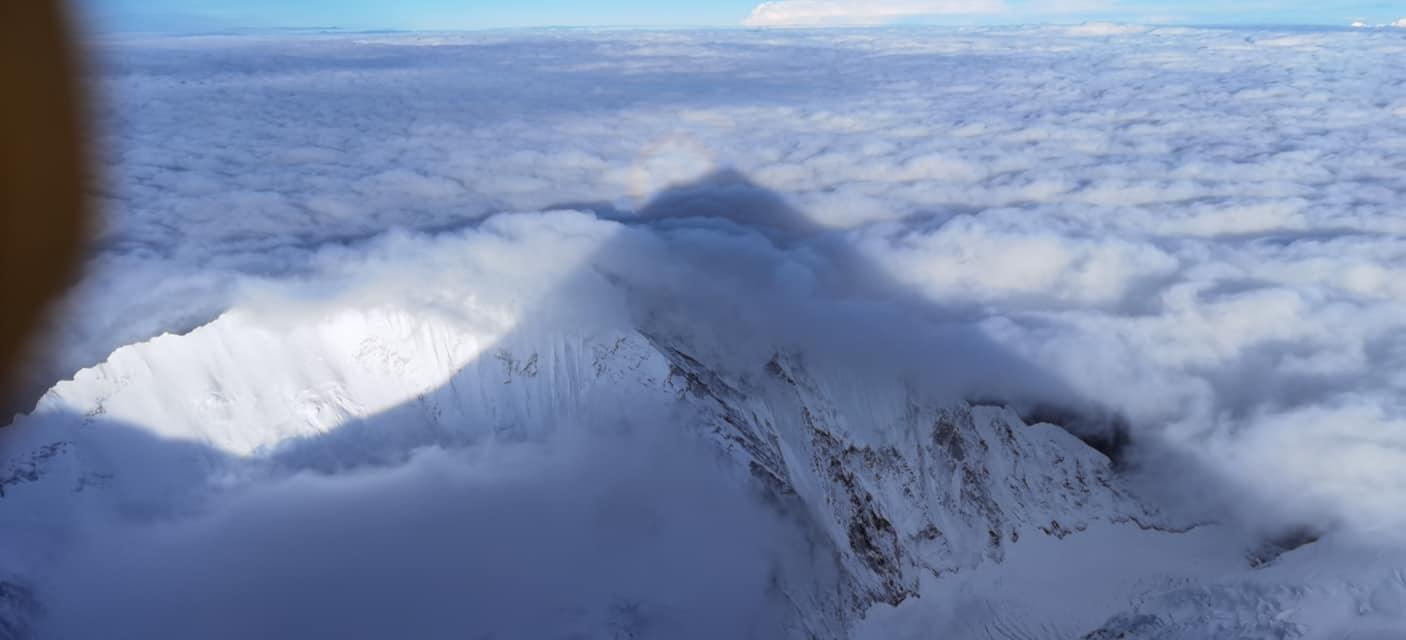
(41,197)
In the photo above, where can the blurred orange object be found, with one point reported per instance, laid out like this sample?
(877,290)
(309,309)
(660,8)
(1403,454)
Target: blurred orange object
(42,201)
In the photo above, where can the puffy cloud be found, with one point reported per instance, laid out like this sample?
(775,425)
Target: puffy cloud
(1213,238)
(1006,256)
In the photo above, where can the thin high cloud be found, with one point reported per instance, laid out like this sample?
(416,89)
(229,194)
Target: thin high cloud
(791,13)
(812,12)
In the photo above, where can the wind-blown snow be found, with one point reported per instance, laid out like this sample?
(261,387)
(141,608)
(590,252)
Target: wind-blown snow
(1191,234)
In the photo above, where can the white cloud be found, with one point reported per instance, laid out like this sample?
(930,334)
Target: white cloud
(1158,224)
(1006,258)
(1175,208)
(1106,29)
(784,13)
(813,12)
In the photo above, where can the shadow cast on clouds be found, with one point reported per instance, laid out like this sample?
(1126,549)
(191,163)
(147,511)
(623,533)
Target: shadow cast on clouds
(495,502)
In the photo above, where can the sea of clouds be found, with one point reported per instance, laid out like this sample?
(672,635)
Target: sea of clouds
(1196,233)
(1200,229)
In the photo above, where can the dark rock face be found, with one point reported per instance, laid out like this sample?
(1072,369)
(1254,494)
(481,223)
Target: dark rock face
(1270,549)
(870,535)
(913,488)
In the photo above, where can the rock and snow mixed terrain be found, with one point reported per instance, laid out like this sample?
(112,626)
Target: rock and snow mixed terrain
(320,389)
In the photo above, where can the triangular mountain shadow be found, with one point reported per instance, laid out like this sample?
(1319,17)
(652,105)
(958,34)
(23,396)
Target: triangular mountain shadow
(729,198)
(726,198)
(728,201)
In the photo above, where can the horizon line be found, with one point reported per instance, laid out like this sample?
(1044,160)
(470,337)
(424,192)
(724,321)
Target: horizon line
(330,30)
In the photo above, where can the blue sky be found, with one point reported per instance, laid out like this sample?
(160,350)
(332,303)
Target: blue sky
(204,15)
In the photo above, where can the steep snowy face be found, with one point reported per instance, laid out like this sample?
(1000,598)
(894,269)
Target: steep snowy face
(904,487)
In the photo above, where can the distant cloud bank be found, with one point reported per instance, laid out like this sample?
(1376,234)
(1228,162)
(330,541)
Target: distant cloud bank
(832,12)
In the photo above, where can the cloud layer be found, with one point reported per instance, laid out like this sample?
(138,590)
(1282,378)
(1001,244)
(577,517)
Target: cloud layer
(1196,231)
(1207,244)
(579,538)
